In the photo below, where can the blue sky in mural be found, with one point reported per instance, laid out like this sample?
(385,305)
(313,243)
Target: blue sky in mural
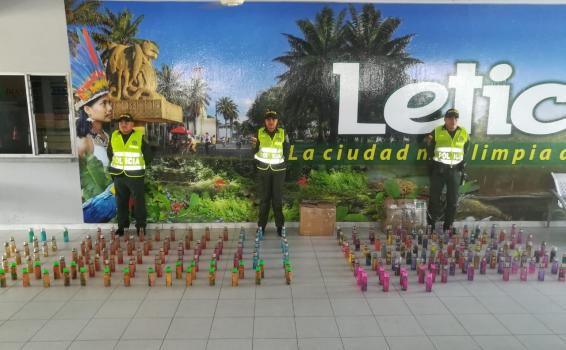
(236,46)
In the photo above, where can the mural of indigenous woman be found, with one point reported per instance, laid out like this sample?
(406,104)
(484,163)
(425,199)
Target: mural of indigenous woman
(93,106)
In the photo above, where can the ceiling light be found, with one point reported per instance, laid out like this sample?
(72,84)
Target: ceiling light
(231,2)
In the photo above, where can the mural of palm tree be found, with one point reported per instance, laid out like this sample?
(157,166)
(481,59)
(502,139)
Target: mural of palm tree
(169,85)
(197,99)
(119,28)
(81,13)
(383,58)
(226,107)
(309,81)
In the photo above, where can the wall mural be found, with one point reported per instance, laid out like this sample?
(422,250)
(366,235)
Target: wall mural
(356,87)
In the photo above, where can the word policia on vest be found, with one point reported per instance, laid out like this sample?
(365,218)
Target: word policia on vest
(399,116)
(128,157)
(449,150)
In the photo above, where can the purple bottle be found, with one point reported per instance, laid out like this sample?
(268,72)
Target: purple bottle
(428,284)
(452,270)
(545,260)
(414,263)
(470,272)
(520,236)
(554,267)
(386,282)
(541,273)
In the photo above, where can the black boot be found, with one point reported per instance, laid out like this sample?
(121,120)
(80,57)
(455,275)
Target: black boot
(279,231)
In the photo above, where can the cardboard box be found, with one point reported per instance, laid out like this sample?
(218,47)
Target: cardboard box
(408,213)
(317,218)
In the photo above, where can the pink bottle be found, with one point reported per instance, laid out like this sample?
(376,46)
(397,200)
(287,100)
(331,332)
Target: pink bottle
(483,266)
(401,270)
(428,284)
(404,280)
(364,281)
(380,273)
(562,273)
(523,274)
(444,274)
(433,272)
(421,273)
(386,281)
(532,266)
(470,272)
(514,266)
(506,269)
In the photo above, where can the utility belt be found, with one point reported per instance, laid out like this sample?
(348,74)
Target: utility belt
(447,168)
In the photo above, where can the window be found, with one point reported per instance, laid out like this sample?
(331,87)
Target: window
(15,136)
(47,130)
(51,111)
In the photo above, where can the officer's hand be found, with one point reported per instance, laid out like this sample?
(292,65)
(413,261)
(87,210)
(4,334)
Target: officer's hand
(463,178)
(253,140)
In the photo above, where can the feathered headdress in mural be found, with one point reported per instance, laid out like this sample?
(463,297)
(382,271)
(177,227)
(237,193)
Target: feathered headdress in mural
(89,77)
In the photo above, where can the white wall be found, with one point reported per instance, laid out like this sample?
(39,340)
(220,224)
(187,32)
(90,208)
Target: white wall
(33,39)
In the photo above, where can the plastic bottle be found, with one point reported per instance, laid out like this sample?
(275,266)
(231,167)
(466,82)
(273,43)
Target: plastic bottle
(66,277)
(107,278)
(288,274)
(471,272)
(433,272)
(13,271)
(2,279)
(25,277)
(168,277)
(385,282)
(404,280)
(178,270)
(31,235)
(554,267)
(364,284)
(37,270)
(66,236)
(422,273)
(241,269)
(428,282)
(83,277)
(126,277)
(541,273)
(43,235)
(444,274)
(483,266)
(506,271)
(151,277)
(524,273)
(257,275)
(73,270)
(562,273)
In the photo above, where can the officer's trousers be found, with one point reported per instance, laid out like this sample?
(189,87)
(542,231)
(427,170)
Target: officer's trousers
(270,189)
(443,175)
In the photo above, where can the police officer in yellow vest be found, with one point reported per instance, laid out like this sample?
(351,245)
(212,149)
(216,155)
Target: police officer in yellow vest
(447,146)
(129,154)
(271,149)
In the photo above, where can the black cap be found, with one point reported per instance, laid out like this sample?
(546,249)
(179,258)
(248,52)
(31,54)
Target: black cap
(452,113)
(271,114)
(126,117)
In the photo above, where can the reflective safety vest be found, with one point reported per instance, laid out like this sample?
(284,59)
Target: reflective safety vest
(270,154)
(449,150)
(128,157)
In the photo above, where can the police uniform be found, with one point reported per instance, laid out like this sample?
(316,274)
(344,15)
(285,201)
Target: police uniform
(448,150)
(270,153)
(129,155)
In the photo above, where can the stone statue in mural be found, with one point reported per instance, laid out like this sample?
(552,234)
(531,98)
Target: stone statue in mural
(133,83)
(131,73)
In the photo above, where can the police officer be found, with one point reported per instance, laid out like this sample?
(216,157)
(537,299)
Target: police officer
(271,147)
(447,146)
(129,154)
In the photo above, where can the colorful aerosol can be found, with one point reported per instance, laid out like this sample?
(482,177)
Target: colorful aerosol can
(444,274)
(385,282)
(428,282)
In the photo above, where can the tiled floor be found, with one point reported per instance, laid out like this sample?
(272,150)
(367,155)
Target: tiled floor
(322,309)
